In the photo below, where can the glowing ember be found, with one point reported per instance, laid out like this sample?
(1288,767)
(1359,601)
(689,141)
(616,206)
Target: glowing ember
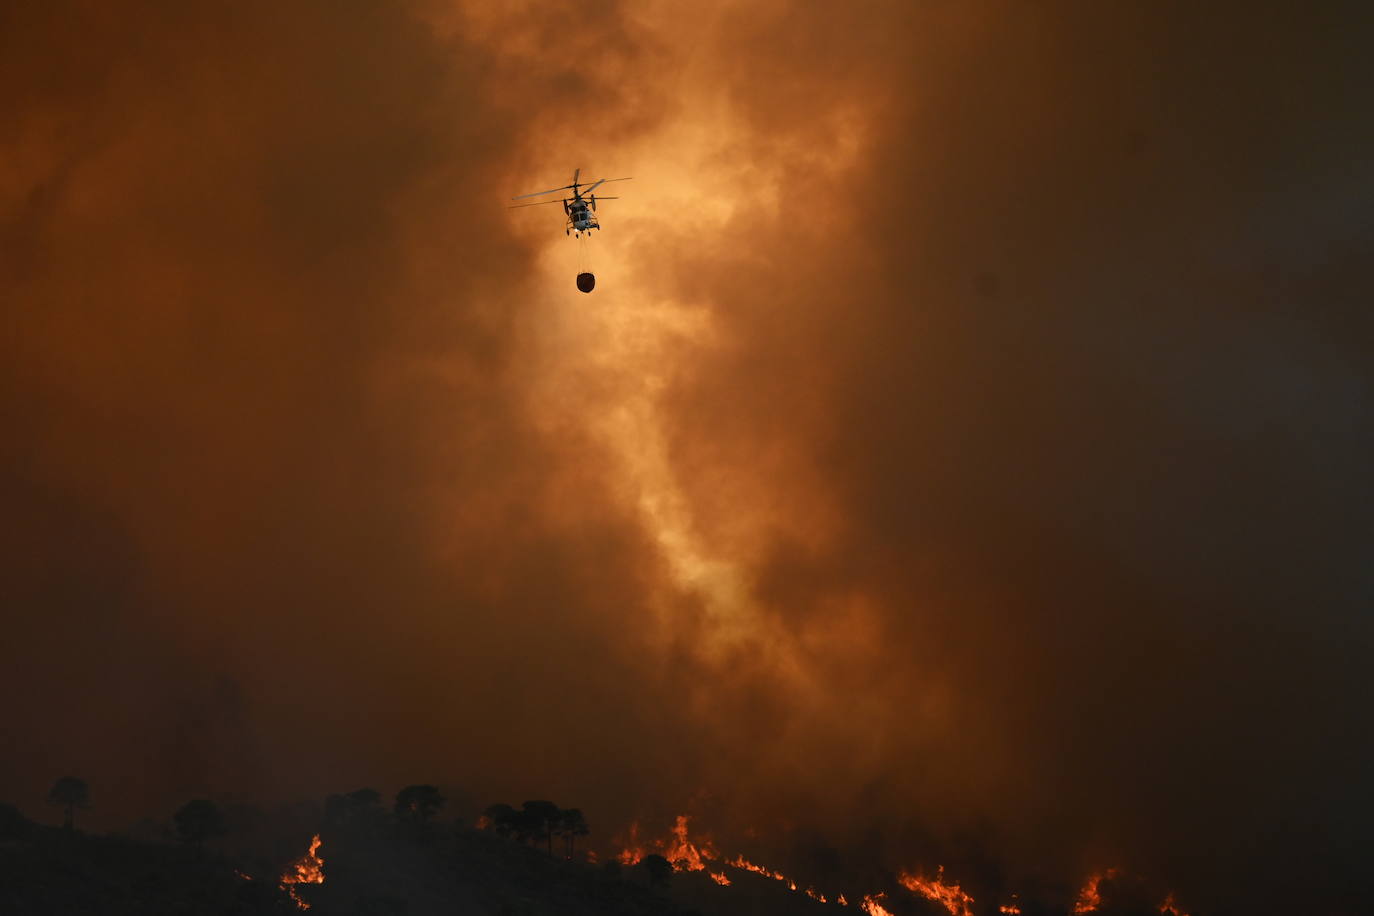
(483,822)
(719,878)
(841,901)
(950,896)
(1090,898)
(872,907)
(243,877)
(1170,908)
(308,869)
(1011,909)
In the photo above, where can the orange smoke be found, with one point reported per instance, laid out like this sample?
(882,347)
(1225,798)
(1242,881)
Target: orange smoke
(950,896)
(308,869)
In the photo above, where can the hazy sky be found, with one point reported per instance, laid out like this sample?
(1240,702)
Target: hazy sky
(969,435)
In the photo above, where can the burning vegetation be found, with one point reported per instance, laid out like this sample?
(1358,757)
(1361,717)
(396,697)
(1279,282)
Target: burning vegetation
(950,896)
(688,853)
(308,869)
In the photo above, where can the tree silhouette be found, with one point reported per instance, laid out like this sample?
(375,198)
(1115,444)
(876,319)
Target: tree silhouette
(659,869)
(199,820)
(571,825)
(418,803)
(70,793)
(503,819)
(543,817)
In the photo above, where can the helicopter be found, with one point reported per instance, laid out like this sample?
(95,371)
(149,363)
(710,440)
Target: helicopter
(580,208)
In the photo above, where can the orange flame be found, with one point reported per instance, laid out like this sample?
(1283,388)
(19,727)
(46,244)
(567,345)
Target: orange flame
(811,892)
(632,853)
(1170,908)
(841,901)
(872,907)
(683,853)
(742,862)
(1011,909)
(719,878)
(950,896)
(1090,898)
(308,869)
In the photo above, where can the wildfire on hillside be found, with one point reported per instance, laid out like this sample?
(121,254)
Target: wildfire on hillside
(688,854)
(308,869)
(950,896)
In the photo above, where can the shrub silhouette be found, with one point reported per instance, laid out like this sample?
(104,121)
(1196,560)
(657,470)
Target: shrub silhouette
(660,869)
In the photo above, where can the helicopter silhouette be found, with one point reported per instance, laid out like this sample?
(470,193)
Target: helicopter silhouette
(580,208)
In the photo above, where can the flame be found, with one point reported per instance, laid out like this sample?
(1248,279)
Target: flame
(742,862)
(632,853)
(950,896)
(683,853)
(1011,909)
(811,892)
(308,869)
(1170,908)
(1090,898)
(243,877)
(872,907)
(677,848)
(483,822)
(719,878)
(841,901)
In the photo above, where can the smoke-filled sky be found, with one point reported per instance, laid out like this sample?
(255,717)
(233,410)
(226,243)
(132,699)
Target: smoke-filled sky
(969,436)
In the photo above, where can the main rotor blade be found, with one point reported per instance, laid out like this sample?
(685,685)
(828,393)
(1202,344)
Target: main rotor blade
(576,172)
(537,203)
(542,193)
(567,187)
(590,188)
